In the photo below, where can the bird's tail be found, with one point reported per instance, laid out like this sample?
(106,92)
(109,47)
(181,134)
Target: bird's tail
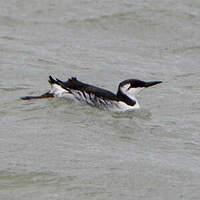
(45,95)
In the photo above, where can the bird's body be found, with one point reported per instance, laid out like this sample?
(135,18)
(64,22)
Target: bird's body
(103,99)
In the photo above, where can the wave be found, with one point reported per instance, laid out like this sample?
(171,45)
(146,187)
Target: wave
(12,180)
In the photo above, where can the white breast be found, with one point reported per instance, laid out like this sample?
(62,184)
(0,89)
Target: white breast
(121,107)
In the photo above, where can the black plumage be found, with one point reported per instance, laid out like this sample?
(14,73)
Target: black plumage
(76,85)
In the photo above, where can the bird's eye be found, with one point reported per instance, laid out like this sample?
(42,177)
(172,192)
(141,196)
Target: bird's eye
(128,88)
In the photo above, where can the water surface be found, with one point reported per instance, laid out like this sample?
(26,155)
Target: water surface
(59,149)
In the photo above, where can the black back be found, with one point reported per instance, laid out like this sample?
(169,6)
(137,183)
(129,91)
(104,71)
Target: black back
(75,84)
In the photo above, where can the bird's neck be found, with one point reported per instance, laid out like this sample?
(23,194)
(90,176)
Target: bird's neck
(129,100)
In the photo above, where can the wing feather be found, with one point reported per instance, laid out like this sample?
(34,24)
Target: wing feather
(78,86)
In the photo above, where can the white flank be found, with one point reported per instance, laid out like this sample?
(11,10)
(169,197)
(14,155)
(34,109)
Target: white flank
(58,91)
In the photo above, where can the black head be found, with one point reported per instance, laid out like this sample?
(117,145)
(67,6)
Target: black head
(135,83)
(133,86)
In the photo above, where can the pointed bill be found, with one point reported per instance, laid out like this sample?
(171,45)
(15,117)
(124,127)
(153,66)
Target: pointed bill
(152,83)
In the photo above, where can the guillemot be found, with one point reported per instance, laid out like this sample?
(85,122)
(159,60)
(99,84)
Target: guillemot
(124,100)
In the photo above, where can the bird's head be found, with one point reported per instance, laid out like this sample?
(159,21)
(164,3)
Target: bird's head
(131,87)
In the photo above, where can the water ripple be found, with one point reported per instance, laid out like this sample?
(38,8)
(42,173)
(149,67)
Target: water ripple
(13,180)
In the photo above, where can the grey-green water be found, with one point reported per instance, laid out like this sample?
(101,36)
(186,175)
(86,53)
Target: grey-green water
(58,149)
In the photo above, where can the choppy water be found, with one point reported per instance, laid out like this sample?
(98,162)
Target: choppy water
(58,149)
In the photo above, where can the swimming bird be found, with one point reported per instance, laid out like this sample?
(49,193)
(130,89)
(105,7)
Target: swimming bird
(124,100)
